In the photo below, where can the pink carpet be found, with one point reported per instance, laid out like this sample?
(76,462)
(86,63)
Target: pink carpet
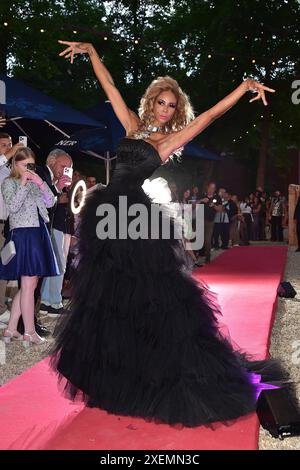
(35,416)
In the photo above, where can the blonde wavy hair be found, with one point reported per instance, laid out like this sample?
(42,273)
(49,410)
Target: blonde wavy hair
(20,155)
(184,112)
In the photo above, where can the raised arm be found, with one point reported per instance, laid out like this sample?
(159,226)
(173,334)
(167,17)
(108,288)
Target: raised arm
(178,139)
(126,116)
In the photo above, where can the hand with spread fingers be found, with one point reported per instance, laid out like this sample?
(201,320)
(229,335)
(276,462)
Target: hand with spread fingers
(255,87)
(74,48)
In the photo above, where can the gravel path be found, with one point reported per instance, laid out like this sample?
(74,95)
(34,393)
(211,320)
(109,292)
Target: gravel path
(285,345)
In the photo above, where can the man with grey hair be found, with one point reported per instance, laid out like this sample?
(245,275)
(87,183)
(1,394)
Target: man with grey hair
(53,173)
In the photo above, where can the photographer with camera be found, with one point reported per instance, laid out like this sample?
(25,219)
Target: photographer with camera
(212,204)
(276,216)
(221,227)
(29,252)
(246,211)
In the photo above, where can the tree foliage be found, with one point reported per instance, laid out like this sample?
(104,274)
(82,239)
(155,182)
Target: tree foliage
(207,45)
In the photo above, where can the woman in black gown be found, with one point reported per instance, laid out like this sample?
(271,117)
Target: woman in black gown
(142,337)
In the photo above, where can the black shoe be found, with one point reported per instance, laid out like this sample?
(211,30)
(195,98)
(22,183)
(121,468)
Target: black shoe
(56,312)
(44,308)
(42,330)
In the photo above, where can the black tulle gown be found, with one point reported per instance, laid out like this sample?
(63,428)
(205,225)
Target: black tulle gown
(142,337)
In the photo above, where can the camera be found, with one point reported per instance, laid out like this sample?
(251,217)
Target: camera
(31,166)
(68,171)
(23,140)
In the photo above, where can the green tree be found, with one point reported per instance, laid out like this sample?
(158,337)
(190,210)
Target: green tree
(32,49)
(207,45)
(219,43)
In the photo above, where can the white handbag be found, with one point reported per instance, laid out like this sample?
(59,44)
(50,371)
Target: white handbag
(8,252)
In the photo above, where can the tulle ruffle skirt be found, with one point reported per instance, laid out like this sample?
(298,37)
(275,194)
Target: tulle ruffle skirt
(142,337)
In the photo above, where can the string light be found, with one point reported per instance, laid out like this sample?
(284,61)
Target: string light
(136,41)
(254,125)
(232,58)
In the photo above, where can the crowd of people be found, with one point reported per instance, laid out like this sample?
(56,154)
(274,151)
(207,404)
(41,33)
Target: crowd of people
(231,220)
(36,216)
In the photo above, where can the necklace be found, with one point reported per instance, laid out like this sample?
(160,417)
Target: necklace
(145,133)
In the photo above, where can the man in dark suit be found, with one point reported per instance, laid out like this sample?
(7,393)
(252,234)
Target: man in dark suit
(53,174)
(61,229)
(297,218)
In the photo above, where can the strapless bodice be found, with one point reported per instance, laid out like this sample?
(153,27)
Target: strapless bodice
(136,161)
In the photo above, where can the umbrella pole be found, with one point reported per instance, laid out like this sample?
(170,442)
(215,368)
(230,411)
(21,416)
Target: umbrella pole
(107,161)
(57,128)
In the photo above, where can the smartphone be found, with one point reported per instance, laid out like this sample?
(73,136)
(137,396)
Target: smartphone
(68,171)
(31,166)
(23,140)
